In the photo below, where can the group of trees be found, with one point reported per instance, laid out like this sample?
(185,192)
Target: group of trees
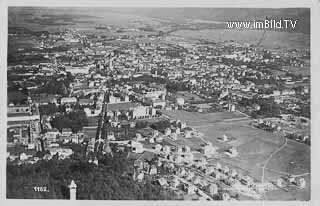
(111,180)
(260,81)
(74,120)
(294,77)
(57,85)
(51,109)
(268,108)
(298,138)
(305,111)
(144,78)
(141,124)
(161,125)
(176,86)
(171,86)
(266,127)
(17,97)
(19,59)
(54,87)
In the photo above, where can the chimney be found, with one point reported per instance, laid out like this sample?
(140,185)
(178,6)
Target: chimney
(73,190)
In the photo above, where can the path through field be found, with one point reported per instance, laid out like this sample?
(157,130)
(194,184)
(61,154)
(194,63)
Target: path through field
(270,157)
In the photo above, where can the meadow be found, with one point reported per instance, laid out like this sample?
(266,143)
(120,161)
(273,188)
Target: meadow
(255,148)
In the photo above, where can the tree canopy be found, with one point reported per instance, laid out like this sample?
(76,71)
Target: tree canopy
(111,180)
(74,120)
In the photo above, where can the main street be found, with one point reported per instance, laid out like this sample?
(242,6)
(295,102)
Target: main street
(102,120)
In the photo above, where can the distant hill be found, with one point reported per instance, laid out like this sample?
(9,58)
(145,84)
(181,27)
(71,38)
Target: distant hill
(228,14)
(181,14)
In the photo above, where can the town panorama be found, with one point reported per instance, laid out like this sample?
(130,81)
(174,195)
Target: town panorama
(158,104)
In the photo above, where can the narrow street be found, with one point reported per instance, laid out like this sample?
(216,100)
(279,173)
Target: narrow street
(203,194)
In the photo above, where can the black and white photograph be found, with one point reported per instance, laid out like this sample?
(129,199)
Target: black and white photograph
(158,103)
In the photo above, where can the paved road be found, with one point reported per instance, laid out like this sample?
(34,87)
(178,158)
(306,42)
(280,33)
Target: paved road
(103,112)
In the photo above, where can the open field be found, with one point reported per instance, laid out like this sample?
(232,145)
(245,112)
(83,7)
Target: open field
(273,39)
(304,71)
(196,119)
(296,157)
(194,143)
(57,19)
(255,147)
(26,42)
